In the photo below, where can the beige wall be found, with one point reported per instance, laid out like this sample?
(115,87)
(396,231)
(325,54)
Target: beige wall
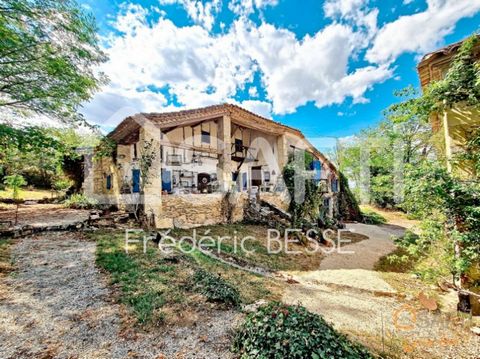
(193,210)
(456,125)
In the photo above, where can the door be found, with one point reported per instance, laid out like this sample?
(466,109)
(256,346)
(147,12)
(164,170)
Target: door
(166,181)
(257,176)
(244,181)
(136,181)
(203,179)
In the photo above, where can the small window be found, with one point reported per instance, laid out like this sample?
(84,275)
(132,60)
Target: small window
(266,176)
(109,182)
(205,137)
(238,145)
(135,155)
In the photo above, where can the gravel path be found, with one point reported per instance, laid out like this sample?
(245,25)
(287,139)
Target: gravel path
(364,254)
(357,300)
(56,305)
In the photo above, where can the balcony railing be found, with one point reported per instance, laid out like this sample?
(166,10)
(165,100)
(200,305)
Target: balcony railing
(174,160)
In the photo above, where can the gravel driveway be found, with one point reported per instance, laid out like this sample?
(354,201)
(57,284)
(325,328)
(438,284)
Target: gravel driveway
(357,300)
(57,305)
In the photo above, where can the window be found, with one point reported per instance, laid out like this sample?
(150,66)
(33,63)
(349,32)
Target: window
(135,151)
(205,137)
(266,176)
(109,182)
(334,185)
(238,145)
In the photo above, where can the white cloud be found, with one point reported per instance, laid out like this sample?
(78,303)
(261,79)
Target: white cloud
(155,64)
(187,62)
(342,8)
(313,69)
(261,108)
(420,32)
(246,7)
(201,12)
(253,92)
(407,2)
(356,14)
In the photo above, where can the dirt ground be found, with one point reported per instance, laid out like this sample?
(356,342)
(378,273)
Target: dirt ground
(40,215)
(57,305)
(357,300)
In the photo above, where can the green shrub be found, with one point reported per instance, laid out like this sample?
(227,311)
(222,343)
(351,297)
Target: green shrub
(280,331)
(15,182)
(62,185)
(371,217)
(215,288)
(80,201)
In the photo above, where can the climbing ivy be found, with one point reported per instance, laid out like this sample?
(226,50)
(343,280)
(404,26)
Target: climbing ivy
(106,148)
(462,81)
(307,200)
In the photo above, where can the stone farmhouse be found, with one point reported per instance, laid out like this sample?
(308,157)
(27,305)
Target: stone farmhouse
(200,155)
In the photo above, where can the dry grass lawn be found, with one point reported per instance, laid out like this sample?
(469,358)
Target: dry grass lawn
(26,194)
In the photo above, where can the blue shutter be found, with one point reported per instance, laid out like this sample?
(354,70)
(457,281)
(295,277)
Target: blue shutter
(166,181)
(136,181)
(317,168)
(109,182)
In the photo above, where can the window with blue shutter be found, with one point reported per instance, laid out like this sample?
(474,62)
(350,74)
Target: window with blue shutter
(136,181)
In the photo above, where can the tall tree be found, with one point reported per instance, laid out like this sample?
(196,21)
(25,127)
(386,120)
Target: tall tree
(48,53)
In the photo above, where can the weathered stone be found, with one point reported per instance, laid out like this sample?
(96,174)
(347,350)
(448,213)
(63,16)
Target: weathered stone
(254,306)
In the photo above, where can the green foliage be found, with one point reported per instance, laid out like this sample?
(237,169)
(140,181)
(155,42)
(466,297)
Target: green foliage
(106,148)
(48,52)
(39,153)
(80,201)
(377,153)
(15,182)
(372,217)
(471,152)
(414,108)
(215,289)
(281,331)
(453,209)
(62,184)
(347,203)
(148,154)
(461,82)
(307,208)
(136,281)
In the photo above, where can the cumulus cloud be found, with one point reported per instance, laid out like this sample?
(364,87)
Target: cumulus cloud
(421,32)
(246,7)
(313,69)
(201,12)
(261,108)
(154,61)
(343,8)
(156,65)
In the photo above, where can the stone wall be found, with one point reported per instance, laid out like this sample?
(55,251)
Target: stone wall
(194,210)
(278,199)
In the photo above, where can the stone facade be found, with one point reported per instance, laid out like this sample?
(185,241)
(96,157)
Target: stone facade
(280,200)
(193,210)
(202,156)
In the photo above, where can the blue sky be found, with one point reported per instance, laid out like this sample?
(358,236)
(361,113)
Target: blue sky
(327,67)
